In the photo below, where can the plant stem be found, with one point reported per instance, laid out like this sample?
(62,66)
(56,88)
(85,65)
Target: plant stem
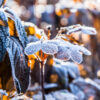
(42,79)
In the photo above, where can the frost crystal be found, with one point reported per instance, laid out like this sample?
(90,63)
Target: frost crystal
(4,33)
(33,47)
(76,56)
(83,50)
(49,48)
(46,46)
(19,27)
(81,29)
(63,53)
(67,50)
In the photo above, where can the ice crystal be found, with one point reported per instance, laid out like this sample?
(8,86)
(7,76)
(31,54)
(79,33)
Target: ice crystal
(33,48)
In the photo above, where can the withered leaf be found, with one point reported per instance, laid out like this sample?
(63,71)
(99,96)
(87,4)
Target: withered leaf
(20,70)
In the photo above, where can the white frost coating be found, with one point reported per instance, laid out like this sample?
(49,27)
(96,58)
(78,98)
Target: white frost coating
(76,56)
(33,47)
(88,30)
(81,29)
(63,53)
(63,50)
(83,50)
(49,48)
(67,50)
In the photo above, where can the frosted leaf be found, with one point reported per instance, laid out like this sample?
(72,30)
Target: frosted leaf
(76,56)
(19,27)
(83,50)
(49,48)
(73,28)
(67,50)
(88,30)
(32,48)
(63,53)
(81,29)
(18,60)
(4,33)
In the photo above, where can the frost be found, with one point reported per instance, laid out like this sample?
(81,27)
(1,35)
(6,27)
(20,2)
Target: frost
(88,30)
(81,29)
(19,27)
(33,47)
(67,50)
(83,50)
(76,56)
(20,70)
(4,33)
(63,53)
(61,49)
(49,48)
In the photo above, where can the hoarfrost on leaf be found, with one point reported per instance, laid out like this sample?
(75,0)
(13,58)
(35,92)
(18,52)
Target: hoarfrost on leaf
(81,29)
(49,48)
(83,50)
(33,48)
(4,33)
(19,27)
(63,53)
(20,70)
(76,56)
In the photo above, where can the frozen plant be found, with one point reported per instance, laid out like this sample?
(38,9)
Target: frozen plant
(13,40)
(59,47)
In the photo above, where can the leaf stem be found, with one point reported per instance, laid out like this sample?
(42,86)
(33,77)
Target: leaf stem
(42,79)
